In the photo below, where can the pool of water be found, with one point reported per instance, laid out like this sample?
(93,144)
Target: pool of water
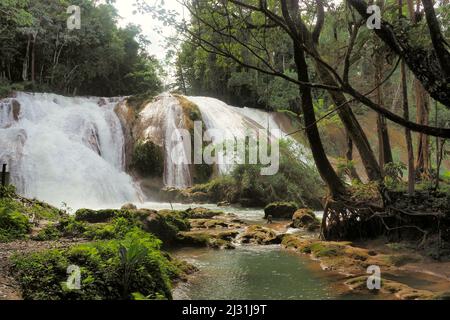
(254,272)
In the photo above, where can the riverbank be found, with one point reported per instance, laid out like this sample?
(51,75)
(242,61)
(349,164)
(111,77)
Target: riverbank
(196,247)
(406,273)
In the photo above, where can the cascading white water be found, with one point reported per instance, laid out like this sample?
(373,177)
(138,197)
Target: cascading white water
(217,115)
(62,149)
(177,171)
(239,122)
(162,120)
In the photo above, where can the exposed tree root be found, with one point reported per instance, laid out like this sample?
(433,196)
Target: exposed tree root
(400,217)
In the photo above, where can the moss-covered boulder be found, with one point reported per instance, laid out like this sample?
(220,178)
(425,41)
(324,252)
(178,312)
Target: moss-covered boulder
(280,210)
(128,206)
(13,224)
(148,159)
(389,287)
(202,213)
(165,225)
(95,216)
(223,204)
(260,235)
(305,218)
(204,238)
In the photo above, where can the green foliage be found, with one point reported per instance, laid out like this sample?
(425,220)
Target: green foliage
(93,216)
(7,88)
(7,191)
(344,167)
(394,174)
(16,213)
(98,59)
(148,159)
(50,232)
(13,224)
(115,269)
(365,191)
(295,181)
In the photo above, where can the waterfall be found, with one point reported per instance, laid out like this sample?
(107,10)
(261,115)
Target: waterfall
(161,120)
(239,122)
(62,149)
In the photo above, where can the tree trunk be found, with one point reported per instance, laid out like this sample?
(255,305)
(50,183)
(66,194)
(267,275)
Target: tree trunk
(33,54)
(324,167)
(352,125)
(26,60)
(409,145)
(384,145)
(423,141)
(290,10)
(349,156)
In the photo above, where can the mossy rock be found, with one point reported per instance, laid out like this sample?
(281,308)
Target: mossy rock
(202,213)
(220,240)
(13,225)
(148,159)
(260,235)
(399,260)
(399,290)
(305,218)
(208,223)
(280,210)
(165,225)
(95,216)
(128,206)
(194,239)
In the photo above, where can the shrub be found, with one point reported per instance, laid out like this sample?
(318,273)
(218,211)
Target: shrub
(50,232)
(95,216)
(295,181)
(13,224)
(148,159)
(394,174)
(115,269)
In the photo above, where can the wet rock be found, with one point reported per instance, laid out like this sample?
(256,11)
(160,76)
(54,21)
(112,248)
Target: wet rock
(305,218)
(15,109)
(95,216)
(260,235)
(280,210)
(223,204)
(202,213)
(220,240)
(165,225)
(198,197)
(128,206)
(211,223)
(400,290)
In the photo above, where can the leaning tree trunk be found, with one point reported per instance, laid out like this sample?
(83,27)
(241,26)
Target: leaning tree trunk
(349,156)
(384,145)
(423,141)
(26,60)
(291,14)
(324,167)
(352,125)
(409,144)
